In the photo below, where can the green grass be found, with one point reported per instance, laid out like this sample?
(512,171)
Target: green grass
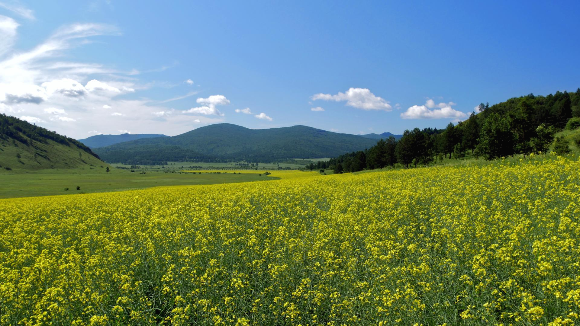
(18,157)
(569,135)
(177,166)
(54,182)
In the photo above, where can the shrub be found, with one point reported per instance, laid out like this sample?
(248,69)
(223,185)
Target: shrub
(576,140)
(561,146)
(573,123)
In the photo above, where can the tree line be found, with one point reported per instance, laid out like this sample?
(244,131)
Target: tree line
(520,125)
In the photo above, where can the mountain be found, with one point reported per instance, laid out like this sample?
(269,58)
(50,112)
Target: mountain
(384,135)
(26,147)
(228,142)
(108,140)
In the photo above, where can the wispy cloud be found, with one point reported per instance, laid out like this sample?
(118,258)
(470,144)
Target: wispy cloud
(317,109)
(19,10)
(180,97)
(72,97)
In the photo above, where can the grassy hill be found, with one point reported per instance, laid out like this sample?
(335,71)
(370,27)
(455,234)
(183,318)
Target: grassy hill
(26,147)
(108,140)
(231,142)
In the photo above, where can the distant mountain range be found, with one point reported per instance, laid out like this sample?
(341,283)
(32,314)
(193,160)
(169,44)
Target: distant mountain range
(384,135)
(98,141)
(26,147)
(228,142)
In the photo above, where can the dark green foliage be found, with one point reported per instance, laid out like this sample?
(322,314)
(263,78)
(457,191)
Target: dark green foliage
(496,139)
(404,149)
(543,139)
(451,137)
(573,123)
(561,146)
(470,132)
(576,140)
(228,142)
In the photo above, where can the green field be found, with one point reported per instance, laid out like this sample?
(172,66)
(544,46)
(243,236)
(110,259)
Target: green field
(54,182)
(177,166)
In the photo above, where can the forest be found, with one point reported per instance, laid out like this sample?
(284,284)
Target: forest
(521,125)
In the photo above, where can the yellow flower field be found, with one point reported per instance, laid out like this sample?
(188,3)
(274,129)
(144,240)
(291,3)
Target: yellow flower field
(477,244)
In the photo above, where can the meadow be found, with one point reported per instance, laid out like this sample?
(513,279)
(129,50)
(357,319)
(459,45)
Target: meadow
(66,181)
(481,243)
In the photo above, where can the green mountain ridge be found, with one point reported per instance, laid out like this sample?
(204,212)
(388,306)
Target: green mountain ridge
(384,135)
(229,142)
(26,147)
(108,140)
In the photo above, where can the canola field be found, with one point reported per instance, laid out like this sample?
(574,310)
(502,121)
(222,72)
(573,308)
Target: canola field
(496,243)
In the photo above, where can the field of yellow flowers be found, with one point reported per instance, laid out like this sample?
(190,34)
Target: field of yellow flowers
(474,244)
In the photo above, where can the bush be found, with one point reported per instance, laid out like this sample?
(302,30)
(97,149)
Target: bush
(576,140)
(573,123)
(561,146)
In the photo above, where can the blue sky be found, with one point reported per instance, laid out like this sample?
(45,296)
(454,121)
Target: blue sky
(83,68)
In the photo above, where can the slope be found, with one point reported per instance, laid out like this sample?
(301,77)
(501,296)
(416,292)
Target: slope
(26,147)
(108,140)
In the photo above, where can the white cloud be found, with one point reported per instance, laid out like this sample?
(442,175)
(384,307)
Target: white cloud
(360,98)
(31,119)
(317,109)
(213,100)
(263,116)
(117,114)
(97,86)
(39,84)
(433,111)
(124,131)
(66,119)
(209,105)
(205,110)
(245,111)
(66,87)
(21,93)
(94,132)
(162,113)
(55,111)
(34,66)
(8,28)
(189,82)
(19,10)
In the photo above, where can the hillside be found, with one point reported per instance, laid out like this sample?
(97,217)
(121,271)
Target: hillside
(26,147)
(227,142)
(108,140)
(519,125)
